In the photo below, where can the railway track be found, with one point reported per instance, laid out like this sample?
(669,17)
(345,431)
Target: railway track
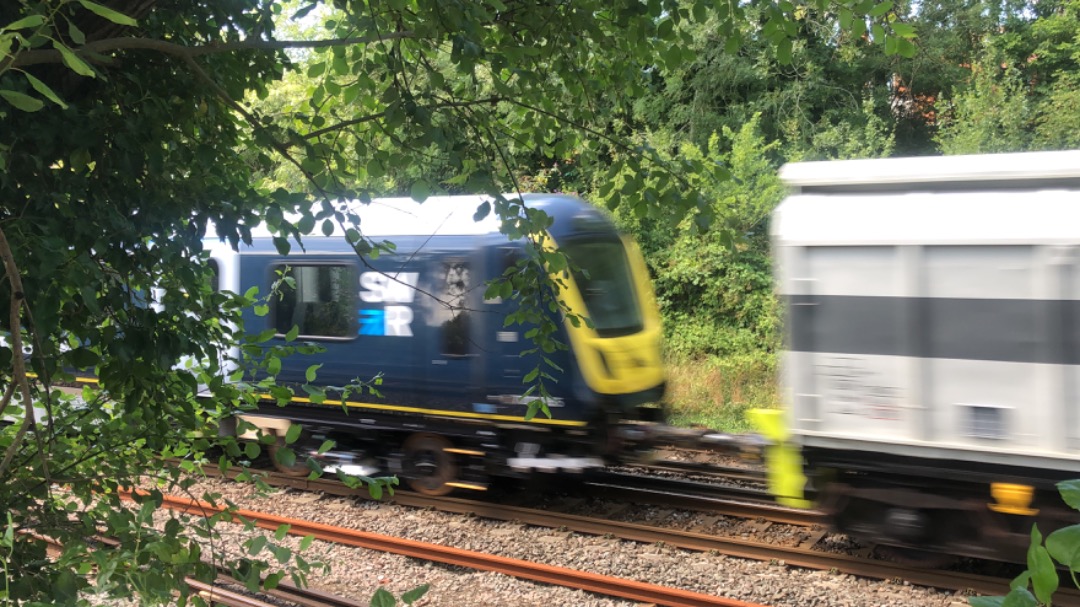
(216,594)
(221,591)
(607,585)
(806,554)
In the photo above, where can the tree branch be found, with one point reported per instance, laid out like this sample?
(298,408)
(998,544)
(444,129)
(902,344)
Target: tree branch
(18,300)
(437,106)
(97,47)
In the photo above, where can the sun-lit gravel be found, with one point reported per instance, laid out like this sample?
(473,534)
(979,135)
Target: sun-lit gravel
(358,573)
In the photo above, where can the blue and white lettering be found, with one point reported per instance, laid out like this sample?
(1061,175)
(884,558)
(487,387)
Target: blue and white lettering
(377,287)
(384,288)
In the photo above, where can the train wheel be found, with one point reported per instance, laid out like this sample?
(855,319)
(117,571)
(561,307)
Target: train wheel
(298,468)
(428,467)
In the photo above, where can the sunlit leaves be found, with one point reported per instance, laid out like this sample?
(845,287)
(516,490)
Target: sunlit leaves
(72,61)
(22,101)
(108,13)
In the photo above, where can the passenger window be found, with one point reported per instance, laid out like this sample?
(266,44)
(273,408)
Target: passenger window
(455,282)
(319,299)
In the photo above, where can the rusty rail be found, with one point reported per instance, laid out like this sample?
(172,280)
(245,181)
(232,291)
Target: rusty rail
(548,574)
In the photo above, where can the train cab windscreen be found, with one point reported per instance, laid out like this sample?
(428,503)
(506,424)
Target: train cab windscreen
(607,286)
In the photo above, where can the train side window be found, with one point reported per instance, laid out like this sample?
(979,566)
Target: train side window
(455,282)
(320,299)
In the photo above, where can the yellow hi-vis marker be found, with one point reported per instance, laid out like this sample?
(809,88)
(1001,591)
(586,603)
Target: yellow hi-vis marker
(1012,499)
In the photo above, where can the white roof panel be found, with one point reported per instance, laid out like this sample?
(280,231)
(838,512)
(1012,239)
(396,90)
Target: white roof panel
(1007,217)
(993,168)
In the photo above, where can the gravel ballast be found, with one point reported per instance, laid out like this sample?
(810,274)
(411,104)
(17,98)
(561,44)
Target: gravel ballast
(358,573)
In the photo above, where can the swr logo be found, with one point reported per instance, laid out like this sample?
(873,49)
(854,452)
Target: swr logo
(376,287)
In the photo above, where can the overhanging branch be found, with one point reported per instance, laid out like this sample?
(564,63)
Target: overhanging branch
(88,51)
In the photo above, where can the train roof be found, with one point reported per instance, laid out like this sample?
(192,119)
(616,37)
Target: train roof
(968,218)
(934,173)
(992,199)
(436,216)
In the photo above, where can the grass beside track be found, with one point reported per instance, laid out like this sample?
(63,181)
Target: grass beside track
(716,392)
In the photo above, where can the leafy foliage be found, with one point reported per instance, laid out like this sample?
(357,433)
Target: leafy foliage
(126,134)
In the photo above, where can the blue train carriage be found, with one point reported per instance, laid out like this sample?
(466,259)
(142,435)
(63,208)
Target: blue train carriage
(451,408)
(932,364)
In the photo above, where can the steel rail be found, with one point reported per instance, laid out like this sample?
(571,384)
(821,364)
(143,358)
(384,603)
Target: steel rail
(680,486)
(690,467)
(304,597)
(802,556)
(711,504)
(547,574)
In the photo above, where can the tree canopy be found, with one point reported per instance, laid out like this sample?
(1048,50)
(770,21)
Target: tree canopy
(127,127)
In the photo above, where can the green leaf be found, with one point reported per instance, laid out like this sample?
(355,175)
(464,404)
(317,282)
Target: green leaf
(252,450)
(411,596)
(1070,493)
(309,375)
(108,13)
(383,598)
(891,45)
(73,62)
(846,16)
(305,543)
(293,433)
(282,245)
(281,553)
(783,51)
(482,211)
(23,102)
(327,227)
(905,48)
(44,89)
(285,456)
(1019,597)
(1044,577)
(1064,546)
(306,224)
(282,531)
(904,30)
(881,9)
(556,262)
(273,365)
(262,310)
(83,358)
(273,580)
(419,191)
(24,23)
(256,545)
